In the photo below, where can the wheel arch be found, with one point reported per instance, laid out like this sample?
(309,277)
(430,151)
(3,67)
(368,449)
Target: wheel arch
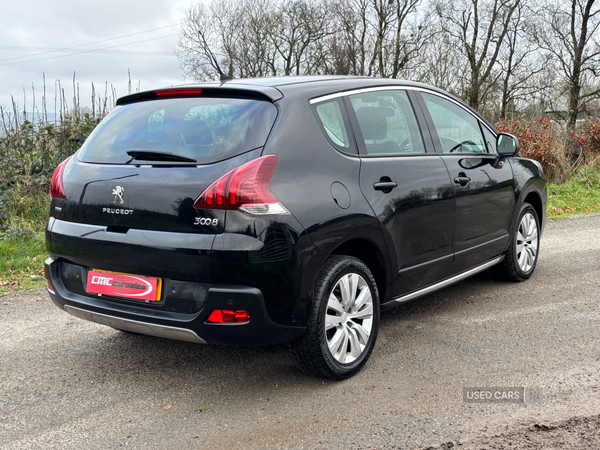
(368,253)
(535,200)
(533,193)
(530,187)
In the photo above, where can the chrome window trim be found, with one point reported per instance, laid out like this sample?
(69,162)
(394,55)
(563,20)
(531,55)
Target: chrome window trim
(398,87)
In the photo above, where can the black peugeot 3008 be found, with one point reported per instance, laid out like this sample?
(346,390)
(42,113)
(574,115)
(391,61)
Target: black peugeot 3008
(261,211)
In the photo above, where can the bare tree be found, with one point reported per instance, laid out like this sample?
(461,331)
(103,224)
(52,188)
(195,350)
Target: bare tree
(410,35)
(376,37)
(251,49)
(294,29)
(195,55)
(437,64)
(479,28)
(227,33)
(348,47)
(520,62)
(571,40)
(481,50)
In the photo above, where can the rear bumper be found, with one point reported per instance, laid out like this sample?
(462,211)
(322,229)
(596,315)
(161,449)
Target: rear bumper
(158,321)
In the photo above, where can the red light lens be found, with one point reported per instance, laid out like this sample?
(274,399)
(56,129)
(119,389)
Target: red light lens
(50,288)
(229,316)
(178,92)
(248,184)
(57,188)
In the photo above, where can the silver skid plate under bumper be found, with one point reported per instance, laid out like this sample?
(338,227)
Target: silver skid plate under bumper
(135,326)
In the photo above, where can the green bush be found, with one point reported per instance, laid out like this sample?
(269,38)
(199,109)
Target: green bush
(29,153)
(541,140)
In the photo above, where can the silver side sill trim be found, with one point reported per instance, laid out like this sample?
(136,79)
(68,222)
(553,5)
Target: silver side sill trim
(180,334)
(447,282)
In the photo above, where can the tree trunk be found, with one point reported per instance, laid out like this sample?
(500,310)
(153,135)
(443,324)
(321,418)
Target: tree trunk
(574,92)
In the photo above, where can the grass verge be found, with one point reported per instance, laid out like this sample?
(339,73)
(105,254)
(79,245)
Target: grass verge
(22,263)
(579,195)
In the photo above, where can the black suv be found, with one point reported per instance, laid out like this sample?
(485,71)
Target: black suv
(260,211)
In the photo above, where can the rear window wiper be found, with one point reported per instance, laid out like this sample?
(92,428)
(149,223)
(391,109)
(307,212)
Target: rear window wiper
(157,155)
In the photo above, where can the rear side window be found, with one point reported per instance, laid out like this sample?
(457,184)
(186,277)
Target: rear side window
(331,118)
(202,128)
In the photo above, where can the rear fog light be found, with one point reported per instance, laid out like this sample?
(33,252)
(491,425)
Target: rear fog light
(229,316)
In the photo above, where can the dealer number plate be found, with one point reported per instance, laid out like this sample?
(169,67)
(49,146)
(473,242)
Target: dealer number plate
(134,287)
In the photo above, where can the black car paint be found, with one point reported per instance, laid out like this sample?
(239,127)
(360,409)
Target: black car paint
(269,264)
(422,200)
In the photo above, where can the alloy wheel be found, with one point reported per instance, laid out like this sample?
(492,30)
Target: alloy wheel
(527,242)
(349,318)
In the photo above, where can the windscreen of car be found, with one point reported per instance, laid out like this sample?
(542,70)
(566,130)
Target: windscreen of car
(203,128)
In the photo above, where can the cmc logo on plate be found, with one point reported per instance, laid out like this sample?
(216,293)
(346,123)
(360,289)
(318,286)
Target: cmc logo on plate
(121,285)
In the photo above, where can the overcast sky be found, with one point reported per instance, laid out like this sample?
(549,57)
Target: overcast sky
(30,30)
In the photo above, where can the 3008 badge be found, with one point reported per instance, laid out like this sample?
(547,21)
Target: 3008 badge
(206,221)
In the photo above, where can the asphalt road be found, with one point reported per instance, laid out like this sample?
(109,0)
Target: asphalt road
(67,383)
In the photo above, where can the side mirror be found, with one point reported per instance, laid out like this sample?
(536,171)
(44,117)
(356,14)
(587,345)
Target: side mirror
(507,144)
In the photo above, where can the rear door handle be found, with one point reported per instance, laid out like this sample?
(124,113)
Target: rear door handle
(385,185)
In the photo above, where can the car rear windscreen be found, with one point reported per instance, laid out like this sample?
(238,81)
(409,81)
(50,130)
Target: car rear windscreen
(203,128)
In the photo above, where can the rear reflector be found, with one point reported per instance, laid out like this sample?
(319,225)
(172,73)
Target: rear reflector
(246,188)
(229,316)
(178,93)
(57,188)
(50,288)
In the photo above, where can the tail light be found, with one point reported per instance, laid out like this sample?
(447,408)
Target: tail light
(246,188)
(229,316)
(57,188)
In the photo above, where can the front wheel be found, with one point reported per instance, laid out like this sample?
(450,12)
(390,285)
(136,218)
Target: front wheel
(522,255)
(342,328)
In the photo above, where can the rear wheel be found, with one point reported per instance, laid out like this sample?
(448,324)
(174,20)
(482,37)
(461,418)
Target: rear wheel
(344,321)
(522,255)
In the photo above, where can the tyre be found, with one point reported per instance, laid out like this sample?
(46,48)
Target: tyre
(344,321)
(522,255)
